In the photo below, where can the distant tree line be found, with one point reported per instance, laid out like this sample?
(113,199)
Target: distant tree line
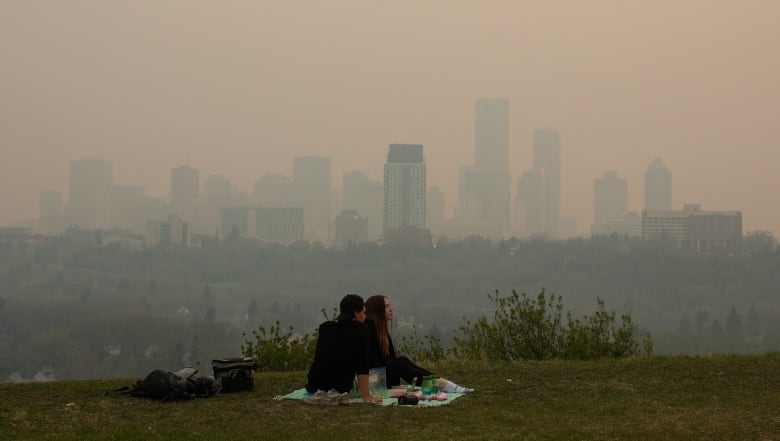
(165,297)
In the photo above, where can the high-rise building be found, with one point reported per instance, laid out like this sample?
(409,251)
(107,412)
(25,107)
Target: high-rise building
(405,187)
(530,203)
(89,199)
(491,148)
(173,231)
(350,227)
(185,186)
(312,180)
(50,212)
(352,185)
(476,187)
(539,189)
(217,193)
(371,206)
(275,190)
(610,196)
(434,210)
(272,224)
(547,162)
(658,186)
(185,189)
(701,232)
(128,208)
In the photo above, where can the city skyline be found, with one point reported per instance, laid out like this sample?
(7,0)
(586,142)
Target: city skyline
(240,91)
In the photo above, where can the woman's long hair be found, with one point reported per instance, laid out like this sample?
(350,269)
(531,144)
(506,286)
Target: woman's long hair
(375,311)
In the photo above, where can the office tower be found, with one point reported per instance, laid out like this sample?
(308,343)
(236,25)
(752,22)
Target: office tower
(434,210)
(173,231)
(476,187)
(547,163)
(610,196)
(275,190)
(530,203)
(658,186)
(185,186)
(352,185)
(49,212)
(405,187)
(371,206)
(279,224)
(217,193)
(695,230)
(351,227)
(89,199)
(271,224)
(312,180)
(185,189)
(491,148)
(128,208)
(364,195)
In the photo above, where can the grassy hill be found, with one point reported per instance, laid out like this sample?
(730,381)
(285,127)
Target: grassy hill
(680,398)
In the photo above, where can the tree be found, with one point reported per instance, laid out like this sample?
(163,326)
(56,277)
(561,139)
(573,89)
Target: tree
(211,315)
(733,323)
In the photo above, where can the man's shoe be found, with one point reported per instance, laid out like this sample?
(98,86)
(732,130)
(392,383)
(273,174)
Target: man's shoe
(322,398)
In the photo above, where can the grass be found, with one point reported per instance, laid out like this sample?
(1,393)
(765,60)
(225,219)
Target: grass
(680,398)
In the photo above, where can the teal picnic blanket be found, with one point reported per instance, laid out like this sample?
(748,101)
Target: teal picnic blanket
(300,393)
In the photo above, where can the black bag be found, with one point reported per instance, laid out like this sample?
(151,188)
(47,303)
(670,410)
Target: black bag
(199,385)
(234,374)
(168,386)
(159,385)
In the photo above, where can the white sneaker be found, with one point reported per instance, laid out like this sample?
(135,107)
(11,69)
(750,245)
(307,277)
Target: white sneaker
(323,398)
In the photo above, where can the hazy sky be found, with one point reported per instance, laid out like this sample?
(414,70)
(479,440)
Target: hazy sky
(241,87)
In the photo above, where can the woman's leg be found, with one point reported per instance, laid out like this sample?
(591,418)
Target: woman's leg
(402,367)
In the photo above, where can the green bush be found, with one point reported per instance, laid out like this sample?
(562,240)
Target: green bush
(421,349)
(277,351)
(524,328)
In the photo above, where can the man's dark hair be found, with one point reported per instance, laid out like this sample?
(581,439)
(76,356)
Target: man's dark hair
(350,304)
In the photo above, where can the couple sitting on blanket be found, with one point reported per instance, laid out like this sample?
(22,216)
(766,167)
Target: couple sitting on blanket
(356,341)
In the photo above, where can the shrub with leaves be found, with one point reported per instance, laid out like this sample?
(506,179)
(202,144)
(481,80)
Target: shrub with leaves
(278,351)
(526,328)
(421,348)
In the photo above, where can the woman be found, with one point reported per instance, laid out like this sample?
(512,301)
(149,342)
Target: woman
(381,351)
(340,354)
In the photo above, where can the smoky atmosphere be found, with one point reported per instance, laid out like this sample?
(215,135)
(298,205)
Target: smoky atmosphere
(241,88)
(210,167)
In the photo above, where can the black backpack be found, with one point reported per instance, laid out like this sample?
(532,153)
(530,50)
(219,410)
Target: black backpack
(234,374)
(169,386)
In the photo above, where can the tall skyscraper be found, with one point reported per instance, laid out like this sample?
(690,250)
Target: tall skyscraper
(312,180)
(49,212)
(185,189)
(610,196)
(371,206)
(530,203)
(185,185)
(405,187)
(658,186)
(275,190)
(539,189)
(491,148)
(217,194)
(434,210)
(89,199)
(352,185)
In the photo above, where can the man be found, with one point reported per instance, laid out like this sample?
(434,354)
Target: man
(341,353)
